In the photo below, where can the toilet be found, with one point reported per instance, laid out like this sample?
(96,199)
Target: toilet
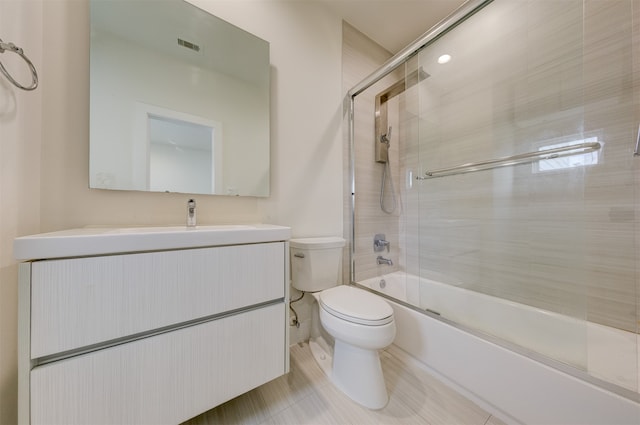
(354,323)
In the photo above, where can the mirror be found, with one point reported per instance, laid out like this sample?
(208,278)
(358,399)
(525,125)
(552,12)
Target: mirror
(179,101)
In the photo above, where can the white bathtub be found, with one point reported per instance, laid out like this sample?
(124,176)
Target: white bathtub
(609,354)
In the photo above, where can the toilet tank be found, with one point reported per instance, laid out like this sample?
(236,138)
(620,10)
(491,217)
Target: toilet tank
(315,263)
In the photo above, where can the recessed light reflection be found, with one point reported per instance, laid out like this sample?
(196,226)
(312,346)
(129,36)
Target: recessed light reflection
(444,59)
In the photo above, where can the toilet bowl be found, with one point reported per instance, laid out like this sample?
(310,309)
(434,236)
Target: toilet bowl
(359,322)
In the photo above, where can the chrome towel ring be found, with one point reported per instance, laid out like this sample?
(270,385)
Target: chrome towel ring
(10,47)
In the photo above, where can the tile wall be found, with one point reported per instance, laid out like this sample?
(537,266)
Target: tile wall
(361,56)
(524,75)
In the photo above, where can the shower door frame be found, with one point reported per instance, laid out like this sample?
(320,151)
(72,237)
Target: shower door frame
(454,19)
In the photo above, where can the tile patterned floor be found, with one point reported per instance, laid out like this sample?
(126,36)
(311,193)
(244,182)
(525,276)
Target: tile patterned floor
(305,396)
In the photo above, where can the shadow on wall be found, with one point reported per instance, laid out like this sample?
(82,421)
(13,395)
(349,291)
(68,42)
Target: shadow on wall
(322,148)
(8,344)
(7,101)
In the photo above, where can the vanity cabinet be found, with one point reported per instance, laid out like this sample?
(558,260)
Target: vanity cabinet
(150,337)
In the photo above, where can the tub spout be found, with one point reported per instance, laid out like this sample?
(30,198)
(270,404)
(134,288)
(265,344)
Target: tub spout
(382,260)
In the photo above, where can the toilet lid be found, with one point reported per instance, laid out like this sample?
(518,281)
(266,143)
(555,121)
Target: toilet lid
(356,305)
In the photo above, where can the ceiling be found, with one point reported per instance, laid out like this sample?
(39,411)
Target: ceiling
(393,24)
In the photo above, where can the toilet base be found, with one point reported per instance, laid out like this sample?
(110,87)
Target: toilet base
(357,373)
(322,354)
(354,371)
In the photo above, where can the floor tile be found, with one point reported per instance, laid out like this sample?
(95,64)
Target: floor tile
(305,396)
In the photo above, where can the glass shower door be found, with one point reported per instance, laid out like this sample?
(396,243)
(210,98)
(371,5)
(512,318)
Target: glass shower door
(542,254)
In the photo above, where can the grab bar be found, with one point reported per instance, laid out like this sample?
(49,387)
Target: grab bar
(522,158)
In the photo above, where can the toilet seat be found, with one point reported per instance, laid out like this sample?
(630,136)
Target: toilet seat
(356,306)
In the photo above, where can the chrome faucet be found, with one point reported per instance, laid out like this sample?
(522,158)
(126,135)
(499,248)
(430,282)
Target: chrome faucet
(191,213)
(379,243)
(382,260)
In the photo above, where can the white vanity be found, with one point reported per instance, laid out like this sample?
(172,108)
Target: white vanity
(148,325)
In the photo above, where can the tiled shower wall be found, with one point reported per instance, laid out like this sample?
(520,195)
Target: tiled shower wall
(565,241)
(360,57)
(612,198)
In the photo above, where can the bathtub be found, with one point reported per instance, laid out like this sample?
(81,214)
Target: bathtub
(586,346)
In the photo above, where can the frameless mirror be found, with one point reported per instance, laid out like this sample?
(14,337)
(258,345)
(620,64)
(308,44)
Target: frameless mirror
(179,101)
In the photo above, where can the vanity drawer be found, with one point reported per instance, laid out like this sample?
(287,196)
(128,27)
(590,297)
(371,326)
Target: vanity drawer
(164,379)
(85,301)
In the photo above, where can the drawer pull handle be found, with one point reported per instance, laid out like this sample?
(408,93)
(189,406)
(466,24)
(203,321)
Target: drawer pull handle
(299,255)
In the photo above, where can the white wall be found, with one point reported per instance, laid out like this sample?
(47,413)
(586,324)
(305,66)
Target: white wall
(52,123)
(306,109)
(20,134)
(306,123)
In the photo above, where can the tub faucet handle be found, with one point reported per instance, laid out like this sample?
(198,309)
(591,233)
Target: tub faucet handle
(379,243)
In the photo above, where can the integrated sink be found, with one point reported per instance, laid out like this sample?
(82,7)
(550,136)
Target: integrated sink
(169,229)
(112,240)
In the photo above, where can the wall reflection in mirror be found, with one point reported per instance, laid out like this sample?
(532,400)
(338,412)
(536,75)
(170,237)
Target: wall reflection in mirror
(179,101)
